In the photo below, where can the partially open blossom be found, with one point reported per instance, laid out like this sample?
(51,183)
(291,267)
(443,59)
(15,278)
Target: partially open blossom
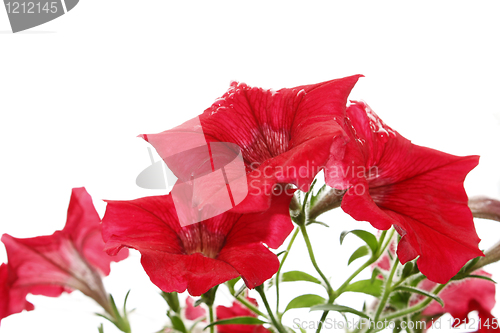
(238,310)
(199,256)
(285,136)
(462,297)
(69,259)
(417,189)
(192,312)
(12,300)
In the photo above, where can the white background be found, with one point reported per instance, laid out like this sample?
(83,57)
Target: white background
(75,93)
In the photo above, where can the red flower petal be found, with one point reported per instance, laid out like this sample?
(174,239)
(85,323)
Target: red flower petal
(418,190)
(198,256)
(12,300)
(66,260)
(83,227)
(193,312)
(462,297)
(285,136)
(238,310)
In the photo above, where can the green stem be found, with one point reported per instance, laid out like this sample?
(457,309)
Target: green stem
(321,321)
(211,316)
(209,298)
(276,324)
(382,236)
(416,308)
(251,307)
(331,292)
(389,239)
(277,279)
(387,291)
(353,275)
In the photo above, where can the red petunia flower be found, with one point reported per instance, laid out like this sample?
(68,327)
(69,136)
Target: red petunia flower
(202,255)
(192,312)
(238,310)
(70,259)
(417,189)
(284,136)
(462,297)
(11,300)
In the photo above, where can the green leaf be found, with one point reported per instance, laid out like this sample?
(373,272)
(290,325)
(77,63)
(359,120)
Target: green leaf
(125,304)
(241,290)
(279,254)
(107,318)
(338,308)
(360,252)
(298,276)
(307,203)
(369,287)
(375,273)
(407,269)
(315,197)
(417,279)
(399,300)
(177,323)
(304,301)
(172,300)
(481,277)
(462,274)
(366,236)
(421,292)
(113,306)
(101,329)
(231,284)
(318,222)
(237,321)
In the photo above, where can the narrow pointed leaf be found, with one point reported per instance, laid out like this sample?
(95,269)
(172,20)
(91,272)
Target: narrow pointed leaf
(360,252)
(421,292)
(375,273)
(318,222)
(305,301)
(178,324)
(481,277)
(232,283)
(338,308)
(281,253)
(315,197)
(298,276)
(369,287)
(125,304)
(242,289)
(366,236)
(407,269)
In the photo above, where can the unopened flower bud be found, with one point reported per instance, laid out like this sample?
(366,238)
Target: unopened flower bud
(485,208)
(490,256)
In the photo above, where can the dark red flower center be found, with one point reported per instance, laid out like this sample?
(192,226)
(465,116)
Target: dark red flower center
(196,238)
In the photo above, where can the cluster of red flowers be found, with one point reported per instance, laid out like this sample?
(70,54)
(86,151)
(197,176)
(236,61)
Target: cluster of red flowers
(416,189)
(285,138)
